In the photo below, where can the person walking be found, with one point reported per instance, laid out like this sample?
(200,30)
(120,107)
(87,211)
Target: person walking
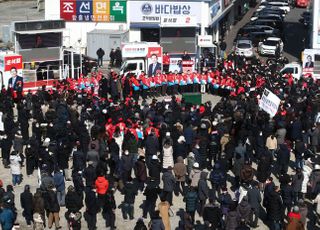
(100,53)
(191,200)
(129,191)
(26,199)
(169,182)
(92,208)
(15,166)
(164,207)
(53,208)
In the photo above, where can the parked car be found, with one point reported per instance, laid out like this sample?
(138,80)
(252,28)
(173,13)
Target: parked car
(271,46)
(244,47)
(267,22)
(256,29)
(267,11)
(275,17)
(281,5)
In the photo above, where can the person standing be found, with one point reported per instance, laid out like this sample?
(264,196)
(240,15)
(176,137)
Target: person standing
(6,217)
(60,185)
(109,210)
(166,62)
(223,47)
(52,207)
(129,192)
(112,57)
(274,208)
(26,200)
(169,182)
(92,208)
(100,53)
(151,192)
(15,168)
(191,200)
(163,208)
(102,185)
(118,57)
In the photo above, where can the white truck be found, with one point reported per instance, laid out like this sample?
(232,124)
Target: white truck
(294,68)
(138,56)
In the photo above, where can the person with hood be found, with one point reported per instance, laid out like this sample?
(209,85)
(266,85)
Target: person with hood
(78,158)
(297,180)
(156,222)
(225,201)
(254,199)
(140,171)
(26,199)
(287,194)
(190,162)
(180,148)
(167,155)
(6,217)
(163,208)
(244,210)
(217,178)
(195,175)
(203,191)
(155,169)
(231,221)
(151,146)
(191,200)
(109,209)
(315,180)
(180,172)
(294,220)
(15,165)
(89,174)
(212,215)
(274,207)
(52,207)
(314,135)
(151,193)
(283,159)
(38,205)
(102,186)
(93,155)
(92,208)
(169,183)
(126,165)
(129,192)
(60,186)
(73,201)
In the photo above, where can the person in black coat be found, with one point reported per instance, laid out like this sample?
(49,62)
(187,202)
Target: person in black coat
(78,159)
(254,199)
(92,208)
(283,159)
(73,201)
(90,174)
(151,146)
(274,208)
(109,209)
(287,195)
(129,192)
(154,169)
(78,183)
(212,215)
(151,193)
(203,191)
(52,207)
(26,199)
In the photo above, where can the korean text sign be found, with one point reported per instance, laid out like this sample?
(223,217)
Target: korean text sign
(93,10)
(12,61)
(269,102)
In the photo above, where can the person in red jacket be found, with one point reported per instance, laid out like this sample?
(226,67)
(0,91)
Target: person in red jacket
(102,185)
(166,62)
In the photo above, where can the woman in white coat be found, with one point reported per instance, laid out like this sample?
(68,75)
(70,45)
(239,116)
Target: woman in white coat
(15,167)
(307,170)
(167,156)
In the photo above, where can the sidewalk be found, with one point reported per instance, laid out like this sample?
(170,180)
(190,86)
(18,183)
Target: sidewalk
(231,35)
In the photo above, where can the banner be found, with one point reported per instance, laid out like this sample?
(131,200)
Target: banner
(93,10)
(269,102)
(153,11)
(12,61)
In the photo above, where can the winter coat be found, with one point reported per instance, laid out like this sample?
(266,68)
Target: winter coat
(73,202)
(152,191)
(264,167)
(303,213)
(232,220)
(51,201)
(212,214)
(283,154)
(274,207)
(38,204)
(254,198)
(126,162)
(195,177)
(92,202)
(315,181)
(79,161)
(154,169)
(180,150)
(307,170)
(93,156)
(90,175)
(244,210)
(129,191)
(314,134)
(190,161)
(151,145)
(191,200)
(6,219)
(102,185)
(217,176)
(180,169)
(157,224)
(203,189)
(294,224)
(297,182)
(287,194)
(271,144)
(225,201)
(167,157)
(224,140)
(169,181)
(164,213)
(15,164)
(140,170)
(246,173)
(189,135)
(26,200)
(59,183)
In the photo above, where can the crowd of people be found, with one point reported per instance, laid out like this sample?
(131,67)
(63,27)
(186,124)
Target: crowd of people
(106,143)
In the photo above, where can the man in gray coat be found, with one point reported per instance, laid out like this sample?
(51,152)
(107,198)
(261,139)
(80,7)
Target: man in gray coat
(169,182)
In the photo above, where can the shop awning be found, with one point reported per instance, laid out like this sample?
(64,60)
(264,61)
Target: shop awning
(144,25)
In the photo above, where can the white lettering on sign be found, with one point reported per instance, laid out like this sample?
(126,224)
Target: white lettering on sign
(117,7)
(68,7)
(101,7)
(85,8)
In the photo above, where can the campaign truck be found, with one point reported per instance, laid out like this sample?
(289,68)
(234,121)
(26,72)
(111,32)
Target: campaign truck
(9,60)
(141,56)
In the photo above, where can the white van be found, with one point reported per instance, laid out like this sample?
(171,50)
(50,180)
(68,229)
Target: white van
(294,68)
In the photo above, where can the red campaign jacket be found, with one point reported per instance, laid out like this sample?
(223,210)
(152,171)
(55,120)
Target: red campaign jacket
(134,81)
(145,81)
(166,59)
(148,131)
(158,80)
(134,132)
(240,90)
(110,128)
(170,77)
(163,78)
(177,78)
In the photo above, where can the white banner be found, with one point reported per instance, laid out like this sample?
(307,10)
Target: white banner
(178,21)
(269,102)
(153,11)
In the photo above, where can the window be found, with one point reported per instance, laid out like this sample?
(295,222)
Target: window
(287,70)
(141,66)
(130,67)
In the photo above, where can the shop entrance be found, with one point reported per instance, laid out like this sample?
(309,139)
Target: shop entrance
(150,35)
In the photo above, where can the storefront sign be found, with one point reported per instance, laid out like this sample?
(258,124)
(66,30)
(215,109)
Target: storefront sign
(269,102)
(204,40)
(141,11)
(93,10)
(178,20)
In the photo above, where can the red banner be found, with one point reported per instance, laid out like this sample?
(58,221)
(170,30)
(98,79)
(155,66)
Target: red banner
(12,61)
(155,50)
(68,10)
